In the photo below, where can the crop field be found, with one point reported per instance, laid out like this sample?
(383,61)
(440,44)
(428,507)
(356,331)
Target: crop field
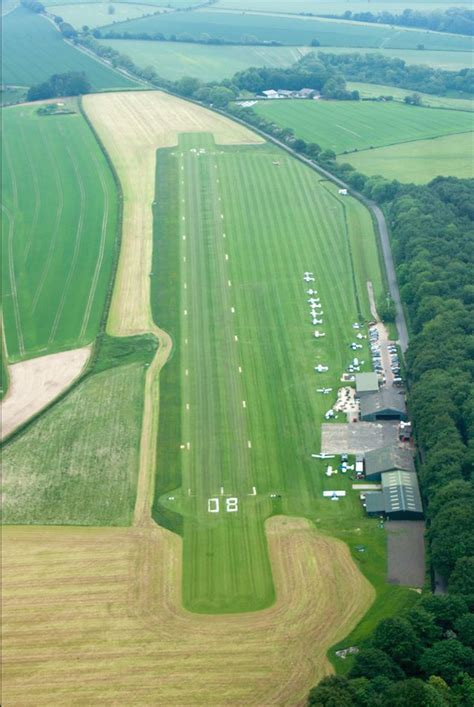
(354,125)
(449,60)
(78,463)
(97,14)
(33,50)
(174,4)
(173,60)
(238,442)
(335,7)
(59,219)
(99,614)
(373,90)
(292,30)
(421,161)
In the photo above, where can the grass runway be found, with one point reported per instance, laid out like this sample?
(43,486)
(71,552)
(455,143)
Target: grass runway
(240,412)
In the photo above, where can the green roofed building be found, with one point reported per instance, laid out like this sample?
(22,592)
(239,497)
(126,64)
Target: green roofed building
(377,461)
(399,499)
(367,382)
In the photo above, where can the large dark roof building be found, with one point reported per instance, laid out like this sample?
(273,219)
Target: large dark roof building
(399,499)
(391,458)
(387,404)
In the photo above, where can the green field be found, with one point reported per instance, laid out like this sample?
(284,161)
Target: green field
(78,464)
(373,90)
(97,14)
(33,50)
(291,30)
(335,7)
(448,60)
(59,220)
(238,400)
(354,125)
(176,4)
(173,60)
(420,161)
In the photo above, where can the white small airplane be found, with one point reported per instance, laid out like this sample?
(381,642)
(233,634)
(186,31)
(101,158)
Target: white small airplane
(317,321)
(330,413)
(321,369)
(323,455)
(308,277)
(318,334)
(356,325)
(324,391)
(311,292)
(312,300)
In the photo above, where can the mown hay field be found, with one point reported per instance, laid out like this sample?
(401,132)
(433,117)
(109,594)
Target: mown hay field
(33,50)
(374,90)
(354,125)
(291,30)
(59,218)
(94,616)
(78,463)
(421,161)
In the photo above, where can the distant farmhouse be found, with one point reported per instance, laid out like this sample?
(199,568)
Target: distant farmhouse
(283,93)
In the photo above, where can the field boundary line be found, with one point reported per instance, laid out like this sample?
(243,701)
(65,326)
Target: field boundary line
(418,139)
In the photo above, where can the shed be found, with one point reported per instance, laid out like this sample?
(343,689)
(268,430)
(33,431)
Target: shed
(271,93)
(387,404)
(375,503)
(402,495)
(367,382)
(390,458)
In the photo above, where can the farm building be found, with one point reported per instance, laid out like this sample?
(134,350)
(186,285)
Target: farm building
(367,382)
(378,461)
(399,499)
(386,404)
(271,93)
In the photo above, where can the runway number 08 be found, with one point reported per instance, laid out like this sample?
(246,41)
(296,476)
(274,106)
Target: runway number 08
(231,505)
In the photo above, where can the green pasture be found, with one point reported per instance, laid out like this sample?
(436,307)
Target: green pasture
(374,90)
(59,222)
(356,125)
(97,13)
(291,30)
(448,60)
(240,415)
(336,7)
(173,60)
(33,50)
(421,161)
(9,96)
(78,463)
(175,4)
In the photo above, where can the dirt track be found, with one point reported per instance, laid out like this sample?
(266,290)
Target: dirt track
(93,616)
(36,382)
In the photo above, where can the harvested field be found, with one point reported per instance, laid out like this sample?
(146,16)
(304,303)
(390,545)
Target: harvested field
(105,623)
(133,126)
(35,383)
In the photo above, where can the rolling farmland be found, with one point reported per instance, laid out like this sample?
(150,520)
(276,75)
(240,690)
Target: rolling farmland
(33,50)
(420,161)
(374,90)
(173,60)
(59,218)
(342,126)
(97,14)
(334,7)
(292,30)
(78,464)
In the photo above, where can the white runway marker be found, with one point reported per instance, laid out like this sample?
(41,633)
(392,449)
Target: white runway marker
(226,256)
(232,310)
(189,492)
(222,490)
(185,341)
(186,372)
(187,406)
(236,338)
(185,286)
(183,218)
(184,258)
(188,445)
(249,444)
(229,283)
(185,312)
(254,491)
(244,404)
(182,446)
(223,235)
(240,369)
(222,215)
(184,238)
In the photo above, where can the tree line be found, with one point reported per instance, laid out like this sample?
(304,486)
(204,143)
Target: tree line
(456,20)
(72,83)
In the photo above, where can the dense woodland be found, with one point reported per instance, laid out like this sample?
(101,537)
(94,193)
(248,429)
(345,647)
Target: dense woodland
(72,83)
(456,20)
